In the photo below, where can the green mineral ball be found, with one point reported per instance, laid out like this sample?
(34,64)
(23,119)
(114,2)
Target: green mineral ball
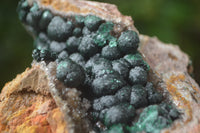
(101,39)
(72,44)
(33,16)
(58,29)
(154,97)
(92,22)
(128,41)
(24,5)
(57,47)
(22,10)
(138,75)
(87,47)
(22,15)
(123,95)
(107,84)
(106,27)
(138,96)
(86,31)
(79,20)
(77,32)
(136,60)
(42,41)
(115,129)
(111,52)
(78,58)
(62,56)
(70,73)
(34,8)
(45,19)
(30,20)
(103,35)
(119,114)
(43,55)
(122,67)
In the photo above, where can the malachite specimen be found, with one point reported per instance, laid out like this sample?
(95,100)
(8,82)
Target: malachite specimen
(105,66)
(154,118)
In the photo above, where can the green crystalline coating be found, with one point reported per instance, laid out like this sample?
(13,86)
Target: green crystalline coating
(22,10)
(106,27)
(151,121)
(92,22)
(116,129)
(113,42)
(34,8)
(103,35)
(137,60)
(79,20)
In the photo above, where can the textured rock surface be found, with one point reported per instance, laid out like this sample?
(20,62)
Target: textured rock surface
(169,72)
(27,106)
(30,103)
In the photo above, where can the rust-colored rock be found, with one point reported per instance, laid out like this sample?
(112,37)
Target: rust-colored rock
(27,106)
(30,103)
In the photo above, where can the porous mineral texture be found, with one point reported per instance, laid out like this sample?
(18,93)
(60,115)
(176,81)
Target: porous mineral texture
(31,102)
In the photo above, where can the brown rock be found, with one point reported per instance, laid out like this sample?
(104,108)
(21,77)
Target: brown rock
(32,101)
(169,72)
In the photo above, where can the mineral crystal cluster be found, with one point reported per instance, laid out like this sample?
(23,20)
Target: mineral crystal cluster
(103,64)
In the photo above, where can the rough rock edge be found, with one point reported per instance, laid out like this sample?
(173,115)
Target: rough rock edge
(172,78)
(108,12)
(73,106)
(169,73)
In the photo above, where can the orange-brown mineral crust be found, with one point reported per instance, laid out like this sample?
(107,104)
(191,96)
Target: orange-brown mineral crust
(28,106)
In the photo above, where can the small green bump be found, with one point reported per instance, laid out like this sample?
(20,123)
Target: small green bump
(24,5)
(106,27)
(100,39)
(34,8)
(79,20)
(128,42)
(113,42)
(151,120)
(116,129)
(92,22)
(77,32)
(137,60)
(45,19)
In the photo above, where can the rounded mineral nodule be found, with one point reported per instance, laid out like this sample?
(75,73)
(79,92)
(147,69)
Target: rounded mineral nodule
(104,102)
(92,22)
(62,56)
(87,47)
(77,32)
(107,84)
(58,29)
(70,73)
(128,42)
(78,58)
(45,19)
(72,44)
(123,95)
(122,67)
(138,96)
(137,75)
(119,114)
(57,47)
(110,52)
